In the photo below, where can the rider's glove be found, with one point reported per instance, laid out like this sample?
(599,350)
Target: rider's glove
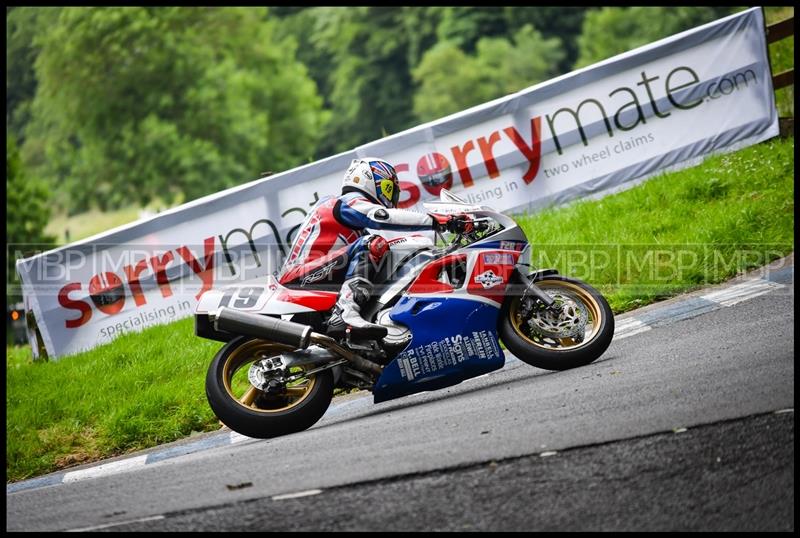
(460,224)
(457,224)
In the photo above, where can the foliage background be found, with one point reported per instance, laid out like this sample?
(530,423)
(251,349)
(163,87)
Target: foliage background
(115,112)
(113,107)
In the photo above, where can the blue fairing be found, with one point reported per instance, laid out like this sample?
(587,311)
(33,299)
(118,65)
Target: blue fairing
(453,339)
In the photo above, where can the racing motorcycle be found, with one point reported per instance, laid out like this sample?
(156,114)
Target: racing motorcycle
(446,303)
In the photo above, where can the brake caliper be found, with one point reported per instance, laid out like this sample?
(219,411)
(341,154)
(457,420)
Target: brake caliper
(267,374)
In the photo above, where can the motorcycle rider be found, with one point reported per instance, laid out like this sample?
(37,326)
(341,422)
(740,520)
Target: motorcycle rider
(334,236)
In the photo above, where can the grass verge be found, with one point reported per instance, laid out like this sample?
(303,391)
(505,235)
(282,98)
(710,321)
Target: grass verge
(707,223)
(676,232)
(142,390)
(89,223)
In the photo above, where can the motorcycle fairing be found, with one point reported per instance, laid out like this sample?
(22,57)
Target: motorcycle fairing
(266,296)
(261,296)
(487,274)
(437,358)
(466,345)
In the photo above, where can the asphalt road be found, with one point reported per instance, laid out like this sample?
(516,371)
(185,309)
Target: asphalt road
(601,447)
(712,477)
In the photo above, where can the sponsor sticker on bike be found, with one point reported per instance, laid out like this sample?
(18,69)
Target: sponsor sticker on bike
(488,279)
(428,359)
(497,258)
(512,245)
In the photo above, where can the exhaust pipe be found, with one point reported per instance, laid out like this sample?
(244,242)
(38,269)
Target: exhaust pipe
(292,334)
(275,329)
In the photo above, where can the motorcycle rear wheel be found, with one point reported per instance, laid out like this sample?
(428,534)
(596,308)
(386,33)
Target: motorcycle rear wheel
(249,411)
(527,341)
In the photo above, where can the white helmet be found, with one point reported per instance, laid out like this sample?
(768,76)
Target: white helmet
(374,177)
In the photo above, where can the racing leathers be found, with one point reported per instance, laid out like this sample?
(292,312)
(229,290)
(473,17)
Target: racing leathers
(333,242)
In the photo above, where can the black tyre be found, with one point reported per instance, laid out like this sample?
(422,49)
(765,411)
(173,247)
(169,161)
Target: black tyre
(531,332)
(249,411)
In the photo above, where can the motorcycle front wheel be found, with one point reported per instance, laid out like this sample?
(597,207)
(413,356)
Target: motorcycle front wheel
(575,334)
(252,412)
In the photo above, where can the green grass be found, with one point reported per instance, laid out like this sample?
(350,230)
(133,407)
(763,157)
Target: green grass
(675,232)
(147,389)
(93,222)
(140,391)
(89,223)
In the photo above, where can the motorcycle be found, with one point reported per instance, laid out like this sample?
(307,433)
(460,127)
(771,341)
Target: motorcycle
(446,309)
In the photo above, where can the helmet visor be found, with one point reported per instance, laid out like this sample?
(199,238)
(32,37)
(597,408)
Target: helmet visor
(396,193)
(388,192)
(387,186)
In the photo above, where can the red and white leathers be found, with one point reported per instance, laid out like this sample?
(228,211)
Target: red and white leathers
(334,237)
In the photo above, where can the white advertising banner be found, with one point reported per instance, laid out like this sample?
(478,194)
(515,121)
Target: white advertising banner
(591,131)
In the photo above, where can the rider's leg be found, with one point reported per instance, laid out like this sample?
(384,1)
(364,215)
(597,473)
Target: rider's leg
(366,256)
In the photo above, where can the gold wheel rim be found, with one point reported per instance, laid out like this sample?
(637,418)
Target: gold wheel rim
(234,377)
(566,344)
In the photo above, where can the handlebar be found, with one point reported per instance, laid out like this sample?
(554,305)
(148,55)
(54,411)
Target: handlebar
(480,224)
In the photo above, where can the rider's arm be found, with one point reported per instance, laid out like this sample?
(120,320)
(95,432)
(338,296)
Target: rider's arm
(361,213)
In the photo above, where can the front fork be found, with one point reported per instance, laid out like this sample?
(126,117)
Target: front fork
(521,285)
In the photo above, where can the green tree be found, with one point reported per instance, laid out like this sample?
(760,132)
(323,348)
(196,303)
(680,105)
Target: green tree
(450,80)
(27,214)
(420,24)
(361,59)
(301,25)
(465,26)
(529,58)
(369,84)
(563,22)
(22,26)
(613,30)
(138,103)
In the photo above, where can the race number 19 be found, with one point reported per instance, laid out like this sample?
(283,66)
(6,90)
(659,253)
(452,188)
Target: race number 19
(246,297)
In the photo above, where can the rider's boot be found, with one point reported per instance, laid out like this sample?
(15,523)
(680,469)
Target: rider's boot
(354,294)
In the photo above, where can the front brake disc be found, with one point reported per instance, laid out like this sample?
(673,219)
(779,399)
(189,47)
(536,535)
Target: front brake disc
(569,321)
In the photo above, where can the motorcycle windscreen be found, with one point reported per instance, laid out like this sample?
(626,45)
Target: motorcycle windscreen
(453,339)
